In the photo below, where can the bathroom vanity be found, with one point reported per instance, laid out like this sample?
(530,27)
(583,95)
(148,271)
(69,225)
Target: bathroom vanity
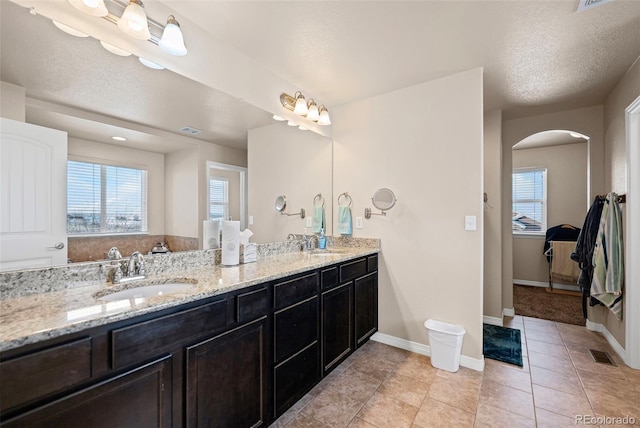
(237,358)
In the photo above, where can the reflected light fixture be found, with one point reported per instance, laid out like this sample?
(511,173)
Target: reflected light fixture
(291,123)
(278,118)
(68,29)
(114,49)
(302,128)
(172,41)
(150,64)
(133,21)
(310,111)
(91,7)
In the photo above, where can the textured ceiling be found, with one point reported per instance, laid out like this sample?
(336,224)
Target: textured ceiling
(538,57)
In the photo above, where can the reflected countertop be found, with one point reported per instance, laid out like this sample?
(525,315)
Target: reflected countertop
(37,317)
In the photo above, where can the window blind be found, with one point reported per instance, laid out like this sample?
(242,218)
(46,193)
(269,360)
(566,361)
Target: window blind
(529,200)
(218,198)
(105,199)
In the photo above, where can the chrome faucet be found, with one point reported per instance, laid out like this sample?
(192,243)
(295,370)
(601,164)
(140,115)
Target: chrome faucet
(135,266)
(308,242)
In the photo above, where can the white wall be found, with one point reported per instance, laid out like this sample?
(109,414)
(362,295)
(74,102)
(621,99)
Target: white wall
(493,214)
(567,202)
(284,160)
(12,101)
(182,215)
(123,156)
(432,159)
(587,121)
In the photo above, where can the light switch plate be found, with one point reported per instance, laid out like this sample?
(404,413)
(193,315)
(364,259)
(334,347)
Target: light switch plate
(358,222)
(250,220)
(469,222)
(308,221)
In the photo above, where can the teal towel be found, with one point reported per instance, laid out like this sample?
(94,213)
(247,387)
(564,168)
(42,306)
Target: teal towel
(318,219)
(345,227)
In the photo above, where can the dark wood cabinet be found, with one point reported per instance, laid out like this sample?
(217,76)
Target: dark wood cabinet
(226,379)
(137,398)
(239,359)
(337,326)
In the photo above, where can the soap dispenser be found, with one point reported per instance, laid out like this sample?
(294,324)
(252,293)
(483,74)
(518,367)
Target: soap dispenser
(322,240)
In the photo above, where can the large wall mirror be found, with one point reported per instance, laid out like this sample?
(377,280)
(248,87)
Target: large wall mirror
(75,85)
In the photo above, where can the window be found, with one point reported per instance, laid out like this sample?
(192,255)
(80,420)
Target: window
(529,200)
(218,198)
(105,199)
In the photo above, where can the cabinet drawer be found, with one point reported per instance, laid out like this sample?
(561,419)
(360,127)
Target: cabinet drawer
(294,378)
(141,341)
(329,277)
(348,271)
(289,292)
(44,372)
(295,328)
(372,263)
(251,305)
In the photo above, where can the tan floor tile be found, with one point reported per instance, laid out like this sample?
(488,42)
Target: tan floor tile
(332,408)
(544,328)
(355,384)
(324,383)
(373,366)
(459,392)
(494,417)
(292,412)
(607,405)
(302,421)
(383,411)
(404,388)
(544,336)
(547,348)
(566,382)
(539,321)
(417,367)
(505,375)
(386,352)
(560,402)
(506,398)
(547,419)
(625,389)
(434,414)
(359,423)
(550,362)
(583,360)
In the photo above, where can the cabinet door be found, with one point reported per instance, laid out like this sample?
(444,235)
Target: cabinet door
(226,385)
(366,296)
(337,325)
(137,398)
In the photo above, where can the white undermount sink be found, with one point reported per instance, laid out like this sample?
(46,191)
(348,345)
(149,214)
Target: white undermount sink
(147,291)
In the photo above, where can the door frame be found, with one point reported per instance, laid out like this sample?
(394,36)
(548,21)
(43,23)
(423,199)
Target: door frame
(243,188)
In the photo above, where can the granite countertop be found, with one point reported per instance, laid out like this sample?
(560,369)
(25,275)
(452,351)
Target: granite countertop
(37,317)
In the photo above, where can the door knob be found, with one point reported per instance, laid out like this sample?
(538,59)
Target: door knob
(58,246)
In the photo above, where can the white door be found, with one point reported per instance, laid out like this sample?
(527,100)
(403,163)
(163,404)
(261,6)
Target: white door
(33,196)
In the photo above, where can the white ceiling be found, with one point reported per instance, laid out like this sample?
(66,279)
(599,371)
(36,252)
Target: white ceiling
(538,57)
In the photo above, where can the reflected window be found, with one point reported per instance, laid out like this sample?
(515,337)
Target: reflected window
(105,199)
(218,198)
(529,199)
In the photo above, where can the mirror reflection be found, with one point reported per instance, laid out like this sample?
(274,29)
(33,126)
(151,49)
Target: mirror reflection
(176,132)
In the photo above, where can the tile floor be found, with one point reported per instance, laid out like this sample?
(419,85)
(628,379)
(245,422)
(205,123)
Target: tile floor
(381,386)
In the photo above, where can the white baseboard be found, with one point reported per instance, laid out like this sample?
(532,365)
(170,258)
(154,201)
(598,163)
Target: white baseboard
(492,320)
(546,285)
(596,326)
(419,348)
(508,312)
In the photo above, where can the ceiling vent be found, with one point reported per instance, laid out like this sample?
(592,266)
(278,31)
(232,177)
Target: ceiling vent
(590,4)
(190,130)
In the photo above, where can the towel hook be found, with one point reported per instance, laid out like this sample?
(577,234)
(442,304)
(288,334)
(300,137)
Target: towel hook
(318,197)
(346,196)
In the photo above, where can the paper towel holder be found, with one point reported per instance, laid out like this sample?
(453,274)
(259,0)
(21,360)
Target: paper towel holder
(281,205)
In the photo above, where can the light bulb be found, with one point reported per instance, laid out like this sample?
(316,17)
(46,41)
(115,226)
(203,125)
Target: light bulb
(91,7)
(134,21)
(91,3)
(301,105)
(324,117)
(313,113)
(172,41)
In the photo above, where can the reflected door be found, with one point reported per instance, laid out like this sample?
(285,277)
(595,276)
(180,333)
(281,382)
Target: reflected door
(32,196)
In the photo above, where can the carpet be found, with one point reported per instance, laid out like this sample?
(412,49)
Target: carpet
(502,344)
(536,302)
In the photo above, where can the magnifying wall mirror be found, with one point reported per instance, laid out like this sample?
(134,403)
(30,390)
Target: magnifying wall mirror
(281,205)
(383,199)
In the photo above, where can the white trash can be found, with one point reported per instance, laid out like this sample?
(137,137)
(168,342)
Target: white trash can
(445,341)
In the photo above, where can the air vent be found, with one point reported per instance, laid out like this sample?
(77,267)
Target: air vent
(190,130)
(590,4)
(601,357)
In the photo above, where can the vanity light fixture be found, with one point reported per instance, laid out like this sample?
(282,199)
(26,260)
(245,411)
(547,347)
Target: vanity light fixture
(134,21)
(69,30)
(91,7)
(172,41)
(310,110)
(114,49)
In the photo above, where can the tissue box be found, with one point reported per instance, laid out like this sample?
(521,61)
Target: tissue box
(248,253)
